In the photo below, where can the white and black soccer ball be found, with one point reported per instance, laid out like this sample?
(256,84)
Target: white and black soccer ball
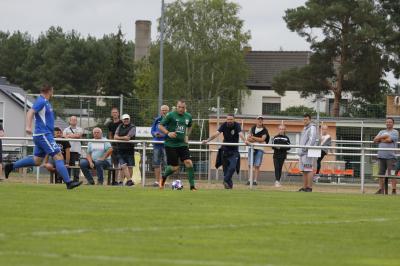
(177,185)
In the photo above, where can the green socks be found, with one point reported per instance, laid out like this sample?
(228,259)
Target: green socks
(168,171)
(190,172)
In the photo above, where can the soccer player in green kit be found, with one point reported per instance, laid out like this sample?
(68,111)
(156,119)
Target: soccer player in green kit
(177,125)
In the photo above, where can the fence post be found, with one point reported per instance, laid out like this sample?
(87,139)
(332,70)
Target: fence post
(362,168)
(251,165)
(121,104)
(209,164)
(143,163)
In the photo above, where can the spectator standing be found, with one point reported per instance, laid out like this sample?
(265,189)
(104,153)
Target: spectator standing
(159,155)
(97,156)
(258,134)
(112,127)
(280,153)
(308,138)
(74,132)
(231,131)
(326,141)
(126,151)
(387,138)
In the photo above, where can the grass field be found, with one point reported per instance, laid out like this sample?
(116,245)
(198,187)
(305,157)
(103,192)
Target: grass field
(48,225)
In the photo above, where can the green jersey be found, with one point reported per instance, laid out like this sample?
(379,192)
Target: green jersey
(174,122)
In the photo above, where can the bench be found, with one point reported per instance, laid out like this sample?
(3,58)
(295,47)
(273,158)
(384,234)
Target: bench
(387,177)
(111,174)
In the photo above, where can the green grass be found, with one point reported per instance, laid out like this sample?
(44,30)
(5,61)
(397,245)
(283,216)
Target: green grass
(48,225)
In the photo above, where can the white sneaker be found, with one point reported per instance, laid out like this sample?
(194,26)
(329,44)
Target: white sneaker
(277,184)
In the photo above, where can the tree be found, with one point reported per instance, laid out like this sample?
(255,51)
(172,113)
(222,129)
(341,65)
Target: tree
(120,74)
(203,50)
(347,58)
(391,8)
(13,52)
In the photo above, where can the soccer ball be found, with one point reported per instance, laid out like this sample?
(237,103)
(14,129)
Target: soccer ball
(177,185)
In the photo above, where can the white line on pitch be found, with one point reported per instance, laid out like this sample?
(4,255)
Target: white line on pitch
(126,259)
(193,227)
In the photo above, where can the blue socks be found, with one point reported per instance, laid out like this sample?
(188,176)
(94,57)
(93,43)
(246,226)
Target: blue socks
(62,170)
(24,162)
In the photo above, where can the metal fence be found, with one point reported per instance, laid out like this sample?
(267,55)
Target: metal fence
(204,170)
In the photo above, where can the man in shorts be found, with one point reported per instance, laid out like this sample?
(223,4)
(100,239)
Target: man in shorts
(177,126)
(126,151)
(308,138)
(387,138)
(258,134)
(159,156)
(43,138)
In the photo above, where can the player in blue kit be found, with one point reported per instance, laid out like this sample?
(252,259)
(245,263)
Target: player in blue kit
(43,138)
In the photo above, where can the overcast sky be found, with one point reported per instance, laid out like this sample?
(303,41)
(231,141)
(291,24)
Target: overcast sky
(98,17)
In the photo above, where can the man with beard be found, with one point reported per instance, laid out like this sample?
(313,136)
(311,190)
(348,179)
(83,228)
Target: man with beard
(231,131)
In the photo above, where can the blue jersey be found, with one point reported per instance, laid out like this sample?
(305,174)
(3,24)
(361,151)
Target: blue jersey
(155,130)
(44,117)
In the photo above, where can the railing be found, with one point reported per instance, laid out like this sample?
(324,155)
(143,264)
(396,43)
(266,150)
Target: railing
(143,145)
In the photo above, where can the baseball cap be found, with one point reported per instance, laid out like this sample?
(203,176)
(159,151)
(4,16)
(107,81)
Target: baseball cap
(126,116)
(260,117)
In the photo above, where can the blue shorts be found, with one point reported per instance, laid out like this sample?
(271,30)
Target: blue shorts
(257,157)
(45,144)
(159,156)
(126,159)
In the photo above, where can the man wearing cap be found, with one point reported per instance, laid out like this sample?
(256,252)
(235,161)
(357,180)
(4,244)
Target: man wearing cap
(126,151)
(258,134)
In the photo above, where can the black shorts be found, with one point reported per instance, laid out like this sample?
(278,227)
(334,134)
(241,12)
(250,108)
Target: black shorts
(174,154)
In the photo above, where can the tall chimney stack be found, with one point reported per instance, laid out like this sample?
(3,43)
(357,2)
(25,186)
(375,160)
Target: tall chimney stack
(142,39)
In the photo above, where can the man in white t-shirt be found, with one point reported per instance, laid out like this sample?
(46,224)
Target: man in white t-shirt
(74,132)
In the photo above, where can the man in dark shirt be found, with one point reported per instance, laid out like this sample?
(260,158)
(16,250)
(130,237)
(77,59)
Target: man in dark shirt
(231,131)
(126,151)
(112,127)
(280,153)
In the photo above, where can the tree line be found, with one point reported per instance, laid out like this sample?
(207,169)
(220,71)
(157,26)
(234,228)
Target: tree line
(357,44)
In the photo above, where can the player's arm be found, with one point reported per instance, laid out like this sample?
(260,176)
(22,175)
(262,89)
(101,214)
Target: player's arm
(29,120)
(213,136)
(163,129)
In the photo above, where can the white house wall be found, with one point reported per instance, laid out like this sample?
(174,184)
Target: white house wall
(13,122)
(252,104)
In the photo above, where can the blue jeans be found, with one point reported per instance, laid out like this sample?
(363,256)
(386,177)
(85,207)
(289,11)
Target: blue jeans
(257,157)
(159,156)
(230,158)
(99,165)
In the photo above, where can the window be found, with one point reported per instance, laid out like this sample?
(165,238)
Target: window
(271,105)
